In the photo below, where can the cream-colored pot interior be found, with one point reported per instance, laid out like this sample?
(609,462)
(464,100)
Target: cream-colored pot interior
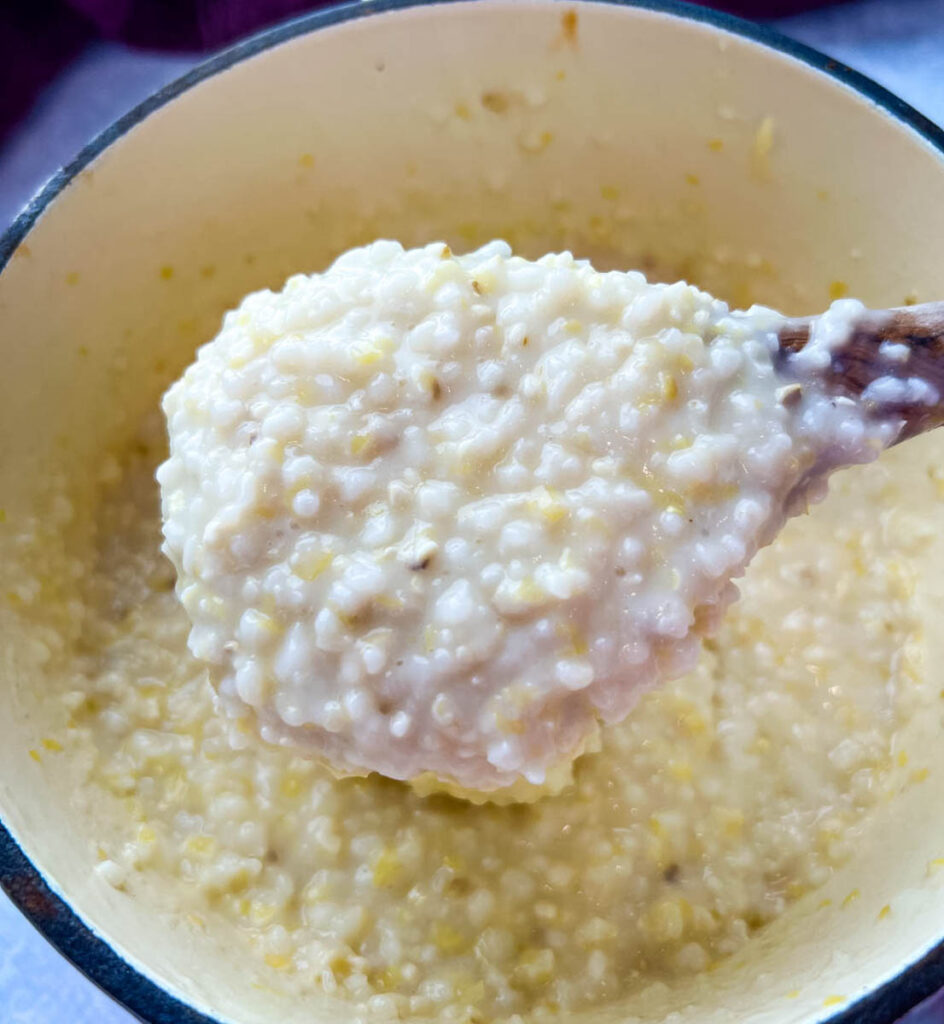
(638,138)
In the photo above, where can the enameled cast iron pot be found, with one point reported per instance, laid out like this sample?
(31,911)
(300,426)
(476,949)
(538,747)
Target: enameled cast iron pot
(652,134)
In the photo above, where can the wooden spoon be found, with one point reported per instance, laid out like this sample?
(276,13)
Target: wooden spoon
(861,361)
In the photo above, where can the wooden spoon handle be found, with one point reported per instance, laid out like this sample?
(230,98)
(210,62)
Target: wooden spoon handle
(875,351)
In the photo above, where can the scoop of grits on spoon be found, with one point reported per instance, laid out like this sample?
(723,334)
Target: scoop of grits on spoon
(437,516)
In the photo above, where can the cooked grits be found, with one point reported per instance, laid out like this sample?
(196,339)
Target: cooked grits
(727,794)
(724,796)
(441,515)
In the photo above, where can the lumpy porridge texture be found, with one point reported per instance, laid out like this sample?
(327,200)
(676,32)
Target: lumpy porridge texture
(725,795)
(439,514)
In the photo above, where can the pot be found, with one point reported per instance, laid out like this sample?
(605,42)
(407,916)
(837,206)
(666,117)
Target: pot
(653,135)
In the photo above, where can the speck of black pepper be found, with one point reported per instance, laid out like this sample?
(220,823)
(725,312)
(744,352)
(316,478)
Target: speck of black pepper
(620,571)
(436,389)
(423,563)
(672,873)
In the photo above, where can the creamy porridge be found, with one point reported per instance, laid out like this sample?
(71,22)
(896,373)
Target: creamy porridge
(727,794)
(439,514)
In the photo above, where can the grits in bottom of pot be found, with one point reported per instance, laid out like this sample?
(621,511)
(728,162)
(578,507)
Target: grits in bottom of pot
(725,795)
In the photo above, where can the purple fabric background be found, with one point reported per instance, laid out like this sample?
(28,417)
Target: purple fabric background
(39,37)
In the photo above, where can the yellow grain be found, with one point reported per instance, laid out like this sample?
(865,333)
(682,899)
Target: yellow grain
(290,787)
(311,564)
(387,868)
(446,938)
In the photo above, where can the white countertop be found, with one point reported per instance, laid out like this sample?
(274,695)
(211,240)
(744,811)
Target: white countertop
(899,43)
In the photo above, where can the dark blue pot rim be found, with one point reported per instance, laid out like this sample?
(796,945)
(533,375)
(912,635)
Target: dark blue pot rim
(19,878)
